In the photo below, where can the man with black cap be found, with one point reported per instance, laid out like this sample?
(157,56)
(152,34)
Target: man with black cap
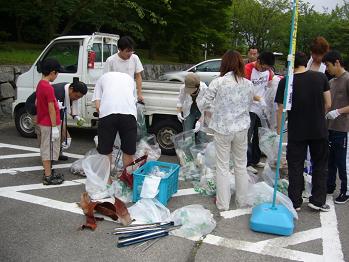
(187,109)
(67,95)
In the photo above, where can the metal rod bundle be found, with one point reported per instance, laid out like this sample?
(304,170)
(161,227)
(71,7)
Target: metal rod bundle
(131,235)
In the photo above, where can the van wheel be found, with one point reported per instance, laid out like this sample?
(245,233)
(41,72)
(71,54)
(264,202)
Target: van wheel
(164,130)
(24,123)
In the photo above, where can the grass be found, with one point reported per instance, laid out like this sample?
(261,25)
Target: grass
(23,53)
(19,53)
(15,53)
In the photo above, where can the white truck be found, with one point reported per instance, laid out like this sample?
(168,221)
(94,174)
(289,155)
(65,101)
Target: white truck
(83,56)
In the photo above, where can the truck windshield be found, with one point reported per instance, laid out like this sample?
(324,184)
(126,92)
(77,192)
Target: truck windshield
(67,54)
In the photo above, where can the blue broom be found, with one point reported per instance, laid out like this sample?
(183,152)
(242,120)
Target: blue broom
(269,217)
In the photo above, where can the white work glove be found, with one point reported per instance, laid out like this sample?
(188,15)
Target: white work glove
(180,117)
(197,126)
(262,102)
(66,144)
(60,105)
(79,121)
(55,133)
(332,114)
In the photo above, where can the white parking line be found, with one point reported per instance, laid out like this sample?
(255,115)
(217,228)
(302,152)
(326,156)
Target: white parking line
(276,247)
(35,149)
(19,155)
(43,201)
(236,212)
(294,239)
(185,192)
(274,251)
(31,168)
(331,243)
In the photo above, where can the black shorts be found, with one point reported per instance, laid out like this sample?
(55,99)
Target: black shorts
(109,126)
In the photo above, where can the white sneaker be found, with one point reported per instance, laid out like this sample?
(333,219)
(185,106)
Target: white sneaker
(260,165)
(252,169)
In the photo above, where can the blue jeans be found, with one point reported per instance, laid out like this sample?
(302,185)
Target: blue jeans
(337,161)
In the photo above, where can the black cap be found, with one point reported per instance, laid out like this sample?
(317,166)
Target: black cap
(48,65)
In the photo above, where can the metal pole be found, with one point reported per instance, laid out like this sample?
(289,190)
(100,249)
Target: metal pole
(289,82)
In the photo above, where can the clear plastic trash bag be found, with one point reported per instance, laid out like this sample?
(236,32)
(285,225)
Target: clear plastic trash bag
(148,146)
(97,170)
(182,143)
(76,167)
(148,210)
(269,143)
(207,184)
(307,185)
(210,155)
(268,176)
(120,190)
(141,126)
(189,172)
(261,192)
(196,221)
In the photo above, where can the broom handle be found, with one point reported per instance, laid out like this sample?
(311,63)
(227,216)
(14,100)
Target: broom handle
(289,82)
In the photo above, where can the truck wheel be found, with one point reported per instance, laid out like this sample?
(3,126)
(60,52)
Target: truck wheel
(24,123)
(164,130)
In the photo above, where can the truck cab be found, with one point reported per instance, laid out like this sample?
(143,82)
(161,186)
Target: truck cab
(83,56)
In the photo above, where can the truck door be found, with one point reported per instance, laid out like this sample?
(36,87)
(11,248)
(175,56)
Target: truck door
(69,55)
(103,48)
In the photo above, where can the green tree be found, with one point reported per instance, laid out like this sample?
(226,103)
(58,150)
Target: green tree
(263,24)
(193,23)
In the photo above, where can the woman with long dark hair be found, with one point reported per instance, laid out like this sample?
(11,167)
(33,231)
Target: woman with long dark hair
(231,96)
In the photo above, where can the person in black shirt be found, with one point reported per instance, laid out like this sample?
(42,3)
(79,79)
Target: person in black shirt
(306,127)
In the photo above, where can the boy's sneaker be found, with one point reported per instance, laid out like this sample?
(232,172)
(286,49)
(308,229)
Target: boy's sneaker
(252,169)
(342,199)
(57,175)
(51,180)
(324,207)
(62,157)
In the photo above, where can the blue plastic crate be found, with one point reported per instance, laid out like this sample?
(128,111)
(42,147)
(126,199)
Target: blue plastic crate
(168,185)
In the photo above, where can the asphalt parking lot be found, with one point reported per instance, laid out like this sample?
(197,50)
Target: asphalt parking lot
(40,223)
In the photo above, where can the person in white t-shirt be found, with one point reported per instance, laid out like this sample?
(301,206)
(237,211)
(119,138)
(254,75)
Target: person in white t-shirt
(125,61)
(116,105)
(260,74)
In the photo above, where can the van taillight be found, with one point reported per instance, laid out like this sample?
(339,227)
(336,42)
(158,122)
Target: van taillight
(91,57)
